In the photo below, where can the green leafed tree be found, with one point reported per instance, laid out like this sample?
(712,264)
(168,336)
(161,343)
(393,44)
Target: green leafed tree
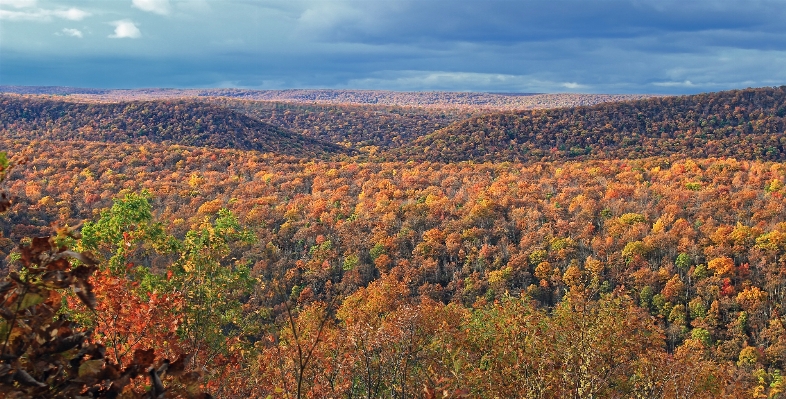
(213,284)
(198,267)
(127,233)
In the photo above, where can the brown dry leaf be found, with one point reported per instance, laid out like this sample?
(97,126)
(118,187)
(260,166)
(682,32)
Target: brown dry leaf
(30,253)
(191,382)
(30,299)
(177,367)
(58,264)
(56,279)
(82,288)
(111,372)
(5,286)
(84,291)
(69,342)
(144,358)
(83,272)
(90,368)
(83,257)
(5,203)
(23,378)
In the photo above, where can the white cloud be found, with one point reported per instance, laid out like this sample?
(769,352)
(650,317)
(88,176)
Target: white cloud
(72,32)
(73,14)
(44,15)
(17,15)
(18,3)
(461,81)
(573,85)
(125,28)
(155,6)
(686,83)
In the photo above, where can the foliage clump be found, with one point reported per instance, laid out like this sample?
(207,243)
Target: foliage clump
(44,354)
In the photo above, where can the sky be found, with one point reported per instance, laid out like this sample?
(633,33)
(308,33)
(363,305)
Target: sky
(546,46)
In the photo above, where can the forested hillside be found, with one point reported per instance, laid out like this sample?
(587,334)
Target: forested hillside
(177,122)
(653,265)
(696,244)
(746,124)
(351,125)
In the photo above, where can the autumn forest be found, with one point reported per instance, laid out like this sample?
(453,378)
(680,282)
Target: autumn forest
(232,246)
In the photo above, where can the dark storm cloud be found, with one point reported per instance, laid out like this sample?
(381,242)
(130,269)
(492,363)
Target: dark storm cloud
(517,21)
(653,46)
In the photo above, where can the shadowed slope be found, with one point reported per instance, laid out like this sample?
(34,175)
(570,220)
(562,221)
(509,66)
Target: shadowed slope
(747,124)
(178,122)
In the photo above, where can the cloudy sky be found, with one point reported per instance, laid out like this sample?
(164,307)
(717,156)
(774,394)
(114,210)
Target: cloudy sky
(589,46)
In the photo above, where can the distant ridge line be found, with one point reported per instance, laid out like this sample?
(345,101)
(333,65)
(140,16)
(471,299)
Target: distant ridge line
(437,99)
(54,90)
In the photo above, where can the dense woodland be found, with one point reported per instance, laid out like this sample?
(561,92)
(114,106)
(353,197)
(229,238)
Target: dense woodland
(746,124)
(176,121)
(293,276)
(366,128)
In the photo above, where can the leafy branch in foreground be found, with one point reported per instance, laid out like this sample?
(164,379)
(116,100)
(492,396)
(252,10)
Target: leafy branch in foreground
(43,354)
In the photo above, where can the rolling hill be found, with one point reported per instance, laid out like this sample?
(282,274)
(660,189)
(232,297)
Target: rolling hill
(747,124)
(669,268)
(183,122)
(355,126)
